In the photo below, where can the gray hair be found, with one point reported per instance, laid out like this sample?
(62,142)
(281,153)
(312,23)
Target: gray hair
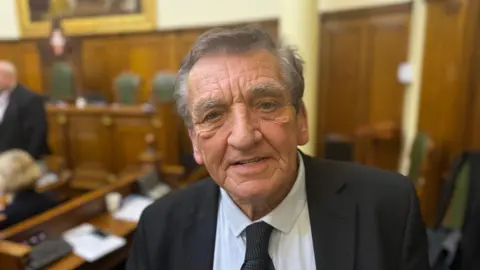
(239,40)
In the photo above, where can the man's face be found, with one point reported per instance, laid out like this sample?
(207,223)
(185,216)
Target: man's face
(245,127)
(6,80)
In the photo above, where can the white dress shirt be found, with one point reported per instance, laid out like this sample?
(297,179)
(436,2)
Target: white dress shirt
(4,99)
(291,245)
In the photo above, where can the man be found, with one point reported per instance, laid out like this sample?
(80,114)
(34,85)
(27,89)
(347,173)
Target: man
(23,121)
(267,205)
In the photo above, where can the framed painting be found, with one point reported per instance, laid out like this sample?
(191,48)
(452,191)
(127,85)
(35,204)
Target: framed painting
(86,17)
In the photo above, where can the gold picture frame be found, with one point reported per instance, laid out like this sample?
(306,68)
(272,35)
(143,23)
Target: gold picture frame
(95,25)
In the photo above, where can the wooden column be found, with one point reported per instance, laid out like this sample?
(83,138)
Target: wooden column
(299,27)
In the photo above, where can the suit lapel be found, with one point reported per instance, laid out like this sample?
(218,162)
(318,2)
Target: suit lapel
(332,218)
(198,239)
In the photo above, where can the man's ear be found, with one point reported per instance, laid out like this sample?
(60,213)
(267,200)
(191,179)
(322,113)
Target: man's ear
(196,154)
(302,125)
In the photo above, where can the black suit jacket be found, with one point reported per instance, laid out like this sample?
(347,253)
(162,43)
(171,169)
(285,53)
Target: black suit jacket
(26,204)
(24,124)
(361,218)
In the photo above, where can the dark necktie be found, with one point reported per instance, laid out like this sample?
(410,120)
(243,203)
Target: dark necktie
(256,256)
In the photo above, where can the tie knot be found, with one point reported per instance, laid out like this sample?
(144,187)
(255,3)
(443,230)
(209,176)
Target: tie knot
(258,238)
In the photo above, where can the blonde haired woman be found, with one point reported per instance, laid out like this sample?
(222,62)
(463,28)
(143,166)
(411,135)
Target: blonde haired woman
(18,176)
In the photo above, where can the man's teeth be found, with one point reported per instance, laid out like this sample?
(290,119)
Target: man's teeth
(250,161)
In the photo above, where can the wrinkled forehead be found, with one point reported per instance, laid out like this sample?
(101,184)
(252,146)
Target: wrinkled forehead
(235,74)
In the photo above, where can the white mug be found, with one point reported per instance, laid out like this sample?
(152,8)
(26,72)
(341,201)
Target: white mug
(113,200)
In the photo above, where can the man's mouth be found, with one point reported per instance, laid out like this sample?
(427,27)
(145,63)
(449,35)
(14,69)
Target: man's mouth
(249,161)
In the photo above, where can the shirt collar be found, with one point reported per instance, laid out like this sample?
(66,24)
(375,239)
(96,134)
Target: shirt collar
(282,218)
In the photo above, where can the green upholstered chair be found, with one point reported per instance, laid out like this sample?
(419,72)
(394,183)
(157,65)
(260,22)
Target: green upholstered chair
(126,87)
(423,158)
(62,84)
(418,156)
(455,215)
(163,87)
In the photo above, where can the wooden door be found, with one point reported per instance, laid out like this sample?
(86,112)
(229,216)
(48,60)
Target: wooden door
(472,132)
(360,54)
(387,47)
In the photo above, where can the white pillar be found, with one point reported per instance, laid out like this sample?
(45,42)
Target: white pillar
(299,27)
(411,99)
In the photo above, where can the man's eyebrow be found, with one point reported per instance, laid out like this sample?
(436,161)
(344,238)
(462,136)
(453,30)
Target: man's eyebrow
(268,90)
(206,104)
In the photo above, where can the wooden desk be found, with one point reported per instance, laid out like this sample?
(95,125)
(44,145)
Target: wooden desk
(107,223)
(86,208)
(70,214)
(99,143)
(104,222)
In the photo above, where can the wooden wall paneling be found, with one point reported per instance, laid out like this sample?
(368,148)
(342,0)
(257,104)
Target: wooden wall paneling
(149,54)
(168,122)
(109,53)
(117,60)
(340,76)
(473,119)
(30,66)
(102,58)
(474,124)
(360,54)
(271,27)
(387,39)
(95,67)
(443,101)
(24,55)
(445,97)
(9,51)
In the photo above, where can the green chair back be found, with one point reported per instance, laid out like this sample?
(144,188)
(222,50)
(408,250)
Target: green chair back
(126,86)
(418,154)
(455,215)
(163,87)
(62,85)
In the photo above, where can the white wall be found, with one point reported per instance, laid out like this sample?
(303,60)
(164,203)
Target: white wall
(173,14)
(8,20)
(335,5)
(190,13)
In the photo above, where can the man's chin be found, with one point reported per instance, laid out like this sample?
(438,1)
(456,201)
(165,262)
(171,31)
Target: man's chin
(250,192)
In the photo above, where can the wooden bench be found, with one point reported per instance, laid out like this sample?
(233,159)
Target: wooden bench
(90,208)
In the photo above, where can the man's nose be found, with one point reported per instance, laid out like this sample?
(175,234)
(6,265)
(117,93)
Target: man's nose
(245,133)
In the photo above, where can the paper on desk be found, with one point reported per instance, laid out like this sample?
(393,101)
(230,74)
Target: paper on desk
(132,208)
(90,246)
(47,179)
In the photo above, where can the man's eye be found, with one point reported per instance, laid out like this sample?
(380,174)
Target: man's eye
(211,116)
(268,106)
